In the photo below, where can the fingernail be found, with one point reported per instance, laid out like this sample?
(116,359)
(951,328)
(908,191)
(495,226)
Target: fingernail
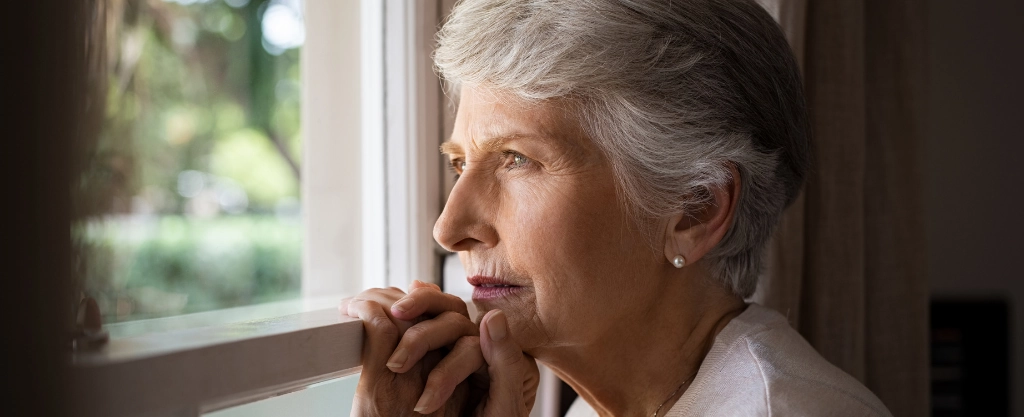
(404,305)
(497,326)
(424,402)
(397,359)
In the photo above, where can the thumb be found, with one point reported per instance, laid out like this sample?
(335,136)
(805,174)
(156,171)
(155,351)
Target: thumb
(506,367)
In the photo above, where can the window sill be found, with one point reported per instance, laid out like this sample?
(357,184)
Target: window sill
(221,317)
(188,371)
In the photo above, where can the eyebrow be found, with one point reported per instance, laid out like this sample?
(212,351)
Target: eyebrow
(450,148)
(488,145)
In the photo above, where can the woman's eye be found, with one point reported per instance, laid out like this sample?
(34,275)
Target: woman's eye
(518,159)
(457,166)
(515,160)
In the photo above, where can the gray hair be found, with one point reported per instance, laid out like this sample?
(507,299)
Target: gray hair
(673,92)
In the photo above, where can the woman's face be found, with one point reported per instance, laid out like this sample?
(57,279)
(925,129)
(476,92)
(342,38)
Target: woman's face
(537,224)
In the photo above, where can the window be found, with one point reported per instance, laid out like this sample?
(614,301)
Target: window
(372,117)
(190,198)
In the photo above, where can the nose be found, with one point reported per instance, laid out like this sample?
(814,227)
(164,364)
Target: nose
(466,221)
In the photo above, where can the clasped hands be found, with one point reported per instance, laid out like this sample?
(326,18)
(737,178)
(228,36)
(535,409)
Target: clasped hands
(423,354)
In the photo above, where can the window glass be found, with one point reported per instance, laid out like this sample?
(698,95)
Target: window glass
(190,197)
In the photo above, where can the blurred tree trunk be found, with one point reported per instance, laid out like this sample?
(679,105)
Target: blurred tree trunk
(262,76)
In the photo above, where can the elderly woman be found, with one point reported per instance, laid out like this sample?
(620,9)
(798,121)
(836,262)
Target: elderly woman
(621,165)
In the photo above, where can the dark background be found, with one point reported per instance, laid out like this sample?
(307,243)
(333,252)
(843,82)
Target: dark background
(40,45)
(973,162)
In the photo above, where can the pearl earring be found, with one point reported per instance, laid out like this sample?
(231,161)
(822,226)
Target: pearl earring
(679,261)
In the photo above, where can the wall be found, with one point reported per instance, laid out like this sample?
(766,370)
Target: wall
(974,158)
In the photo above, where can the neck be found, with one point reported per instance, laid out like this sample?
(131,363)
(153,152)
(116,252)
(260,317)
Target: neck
(635,366)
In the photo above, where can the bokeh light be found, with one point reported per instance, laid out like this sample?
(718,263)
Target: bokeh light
(283,26)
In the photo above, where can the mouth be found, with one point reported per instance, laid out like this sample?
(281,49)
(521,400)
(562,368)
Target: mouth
(492,288)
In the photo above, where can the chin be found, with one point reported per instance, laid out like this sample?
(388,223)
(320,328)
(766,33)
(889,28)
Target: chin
(477,312)
(517,327)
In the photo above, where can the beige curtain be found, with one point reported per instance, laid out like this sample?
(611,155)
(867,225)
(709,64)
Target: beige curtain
(846,265)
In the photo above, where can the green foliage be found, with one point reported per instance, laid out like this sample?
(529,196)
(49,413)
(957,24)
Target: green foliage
(248,157)
(171,265)
(191,89)
(189,85)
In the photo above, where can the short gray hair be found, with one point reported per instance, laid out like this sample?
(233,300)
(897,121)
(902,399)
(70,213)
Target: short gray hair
(673,92)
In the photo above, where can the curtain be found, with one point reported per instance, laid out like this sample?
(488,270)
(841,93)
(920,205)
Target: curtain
(846,265)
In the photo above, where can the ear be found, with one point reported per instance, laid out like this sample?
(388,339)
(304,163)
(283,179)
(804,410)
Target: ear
(693,235)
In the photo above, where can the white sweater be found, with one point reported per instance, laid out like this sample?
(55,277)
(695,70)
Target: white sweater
(759,366)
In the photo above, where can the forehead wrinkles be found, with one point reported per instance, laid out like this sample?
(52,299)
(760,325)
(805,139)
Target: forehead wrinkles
(494,121)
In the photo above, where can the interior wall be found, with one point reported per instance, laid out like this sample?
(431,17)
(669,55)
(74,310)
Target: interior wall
(974,159)
(43,102)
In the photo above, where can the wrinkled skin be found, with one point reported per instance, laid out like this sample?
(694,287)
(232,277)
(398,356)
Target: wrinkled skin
(382,392)
(444,356)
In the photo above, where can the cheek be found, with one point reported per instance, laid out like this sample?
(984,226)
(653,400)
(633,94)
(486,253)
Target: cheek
(569,239)
(551,228)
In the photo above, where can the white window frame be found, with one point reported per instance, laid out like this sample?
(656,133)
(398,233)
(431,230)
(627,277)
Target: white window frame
(332,151)
(414,137)
(384,237)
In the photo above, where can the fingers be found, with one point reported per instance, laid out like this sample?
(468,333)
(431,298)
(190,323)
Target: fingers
(420,284)
(385,297)
(343,305)
(464,359)
(427,300)
(428,335)
(508,367)
(381,333)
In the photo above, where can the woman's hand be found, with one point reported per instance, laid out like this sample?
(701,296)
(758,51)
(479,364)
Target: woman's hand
(418,328)
(413,342)
(503,379)
(512,375)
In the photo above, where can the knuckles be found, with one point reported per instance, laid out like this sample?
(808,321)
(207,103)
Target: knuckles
(457,319)
(383,326)
(440,379)
(422,290)
(414,335)
(468,342)
(383,293)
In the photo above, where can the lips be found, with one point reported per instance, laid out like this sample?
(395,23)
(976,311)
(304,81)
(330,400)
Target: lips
(486,281)
(487,288)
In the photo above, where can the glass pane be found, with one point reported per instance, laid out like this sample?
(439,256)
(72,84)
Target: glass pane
(328,398)
(190,196)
